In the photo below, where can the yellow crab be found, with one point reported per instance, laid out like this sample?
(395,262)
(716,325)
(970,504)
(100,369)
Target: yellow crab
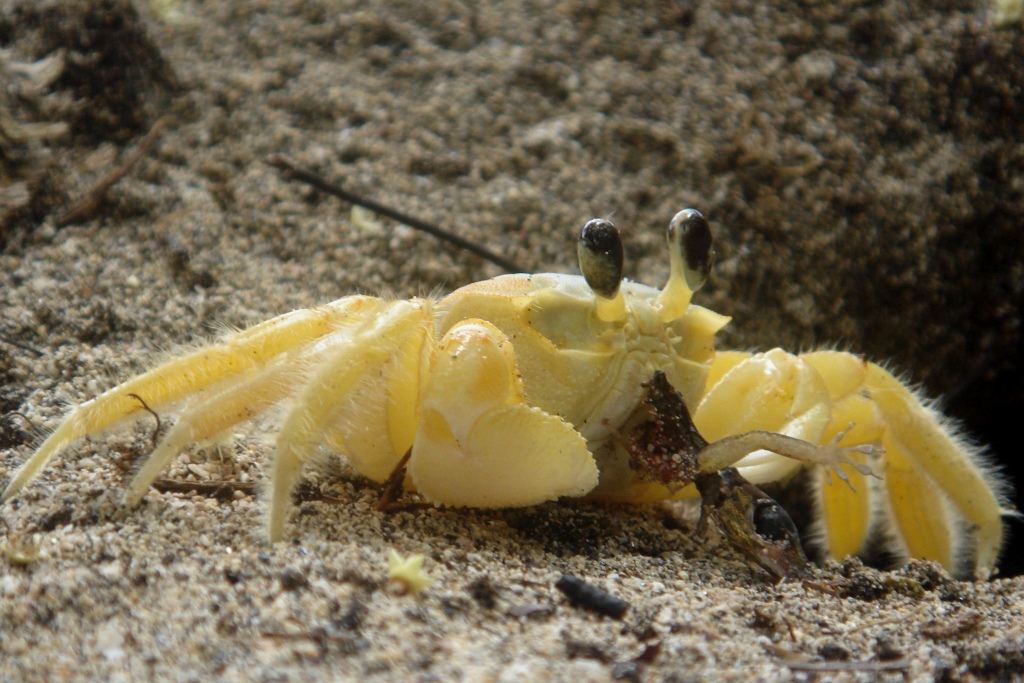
(527,388)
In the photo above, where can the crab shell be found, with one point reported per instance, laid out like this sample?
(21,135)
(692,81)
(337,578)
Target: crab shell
(565,363)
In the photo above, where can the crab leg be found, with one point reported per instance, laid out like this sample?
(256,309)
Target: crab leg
(219,411)
(730,450)
(768,405)
(948,461)
(940,501)
(310,418)
(210,417)
(188,375)
(927,467)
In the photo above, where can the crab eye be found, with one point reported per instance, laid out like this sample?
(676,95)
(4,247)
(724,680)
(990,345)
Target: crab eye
(691,254)
(773,523)
(690,230)
(600,254)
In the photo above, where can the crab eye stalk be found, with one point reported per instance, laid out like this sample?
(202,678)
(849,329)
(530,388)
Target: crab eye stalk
(691,254)
(600,254)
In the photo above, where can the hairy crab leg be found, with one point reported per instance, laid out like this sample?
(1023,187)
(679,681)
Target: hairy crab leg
(187,376)
(210,417)
(938,499)
(310,417)
(665,447)
(218,411)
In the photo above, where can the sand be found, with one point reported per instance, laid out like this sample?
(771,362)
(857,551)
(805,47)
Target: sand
(860,165)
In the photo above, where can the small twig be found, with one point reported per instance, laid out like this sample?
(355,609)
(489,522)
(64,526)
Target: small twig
(798,662)
(89,204)
(894,665)
(873,624)
(224,490)
(291,171)
(393,485)
(527,609)
(789,627)
(20,345)
(145,406)
(824,587)
(964,622)
(25,418)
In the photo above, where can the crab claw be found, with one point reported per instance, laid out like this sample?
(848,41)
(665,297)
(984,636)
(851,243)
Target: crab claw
(752,521)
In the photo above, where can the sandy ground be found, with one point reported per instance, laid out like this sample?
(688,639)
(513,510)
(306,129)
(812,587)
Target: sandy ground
(861,165)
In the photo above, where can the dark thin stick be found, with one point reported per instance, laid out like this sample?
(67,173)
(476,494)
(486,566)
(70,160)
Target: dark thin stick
(145,406)
(393,485)
(224,490)
(23,347)
(85,207)
(291,171)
